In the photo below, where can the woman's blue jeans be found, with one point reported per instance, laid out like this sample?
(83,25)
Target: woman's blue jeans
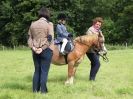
(42,64)
(95,64)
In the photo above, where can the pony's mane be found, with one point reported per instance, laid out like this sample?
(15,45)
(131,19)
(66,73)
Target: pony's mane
(86,38)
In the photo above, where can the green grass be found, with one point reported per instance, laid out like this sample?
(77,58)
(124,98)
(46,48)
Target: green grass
(114,79)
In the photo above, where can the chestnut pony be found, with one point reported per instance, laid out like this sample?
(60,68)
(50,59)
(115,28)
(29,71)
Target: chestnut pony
(81,45)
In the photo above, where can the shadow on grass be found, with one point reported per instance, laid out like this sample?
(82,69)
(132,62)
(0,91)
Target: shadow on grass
(57,79)
(5,96)
(28,78)
(125,91)
(14,86)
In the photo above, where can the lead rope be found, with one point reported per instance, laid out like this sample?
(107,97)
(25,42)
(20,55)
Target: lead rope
(104,56)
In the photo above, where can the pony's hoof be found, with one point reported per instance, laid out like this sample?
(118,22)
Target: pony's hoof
(68,83)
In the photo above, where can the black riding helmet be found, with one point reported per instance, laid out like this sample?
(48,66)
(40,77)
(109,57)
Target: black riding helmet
(61,16)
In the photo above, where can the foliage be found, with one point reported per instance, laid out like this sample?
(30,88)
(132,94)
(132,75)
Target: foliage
(123,17)
(17,15)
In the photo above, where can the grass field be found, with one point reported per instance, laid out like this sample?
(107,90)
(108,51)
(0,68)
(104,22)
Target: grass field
(114,79)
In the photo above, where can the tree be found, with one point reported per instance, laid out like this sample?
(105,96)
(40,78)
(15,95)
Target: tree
(17,15)
(122,15)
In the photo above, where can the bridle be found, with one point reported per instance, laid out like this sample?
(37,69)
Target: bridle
(104,56)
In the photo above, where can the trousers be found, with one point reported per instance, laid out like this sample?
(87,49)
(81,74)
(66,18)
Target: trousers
(42,64)
(95,64)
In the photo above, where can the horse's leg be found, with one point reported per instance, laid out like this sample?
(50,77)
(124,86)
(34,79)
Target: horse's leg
(72,67)
(71,73)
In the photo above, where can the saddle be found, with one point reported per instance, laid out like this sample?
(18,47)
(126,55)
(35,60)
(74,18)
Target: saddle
(68,48)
